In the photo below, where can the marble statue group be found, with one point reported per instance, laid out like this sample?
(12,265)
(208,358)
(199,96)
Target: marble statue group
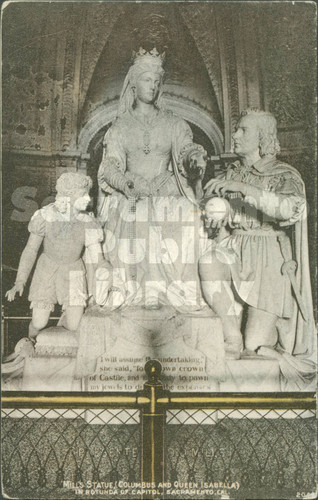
(149,247)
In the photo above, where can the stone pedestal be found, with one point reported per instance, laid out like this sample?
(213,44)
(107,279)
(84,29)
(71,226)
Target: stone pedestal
(50,374)
(251,375)
(53,364)
(110,351)
(114,347)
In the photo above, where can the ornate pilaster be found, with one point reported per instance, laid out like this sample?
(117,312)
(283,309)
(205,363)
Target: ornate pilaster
(247,53)
(229,76)
(200,21)
(100,20)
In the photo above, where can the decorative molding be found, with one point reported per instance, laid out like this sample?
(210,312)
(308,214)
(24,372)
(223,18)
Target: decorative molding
(289,80)
(68,88)
(45,153)
(153,32)
(100,118)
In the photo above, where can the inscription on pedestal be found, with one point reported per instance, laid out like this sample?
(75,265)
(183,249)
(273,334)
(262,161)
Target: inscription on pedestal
(124,373)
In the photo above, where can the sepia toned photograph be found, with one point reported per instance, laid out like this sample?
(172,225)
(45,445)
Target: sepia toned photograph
(159,250)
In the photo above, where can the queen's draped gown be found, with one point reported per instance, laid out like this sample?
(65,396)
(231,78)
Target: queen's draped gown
(154,243)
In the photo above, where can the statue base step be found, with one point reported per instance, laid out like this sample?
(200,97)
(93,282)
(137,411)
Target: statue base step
(121,367)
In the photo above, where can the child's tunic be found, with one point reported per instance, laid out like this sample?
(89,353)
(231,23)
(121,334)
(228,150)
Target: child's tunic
(60,274)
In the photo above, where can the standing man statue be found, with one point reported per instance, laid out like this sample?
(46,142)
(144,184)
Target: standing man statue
(261,256)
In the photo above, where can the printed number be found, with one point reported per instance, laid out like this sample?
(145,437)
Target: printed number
(303,494)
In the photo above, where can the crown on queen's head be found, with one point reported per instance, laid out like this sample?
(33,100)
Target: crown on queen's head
(151,56)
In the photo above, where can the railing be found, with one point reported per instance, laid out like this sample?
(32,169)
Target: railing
(156,444)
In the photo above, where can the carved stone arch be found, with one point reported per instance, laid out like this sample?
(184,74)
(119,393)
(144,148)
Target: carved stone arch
(99,119)
(189,111)
(192,113)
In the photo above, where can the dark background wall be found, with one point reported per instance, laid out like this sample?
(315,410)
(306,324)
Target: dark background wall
(65,62)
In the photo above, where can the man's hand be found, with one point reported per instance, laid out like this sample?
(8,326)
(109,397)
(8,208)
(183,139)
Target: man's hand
(216,213)
(17,288)
(211,223)
(221,187)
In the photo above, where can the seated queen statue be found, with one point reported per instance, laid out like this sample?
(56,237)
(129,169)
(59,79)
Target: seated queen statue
(150,186)
(150,176)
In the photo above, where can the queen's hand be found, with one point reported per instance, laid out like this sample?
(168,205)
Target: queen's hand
(136,190)
(196,165)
